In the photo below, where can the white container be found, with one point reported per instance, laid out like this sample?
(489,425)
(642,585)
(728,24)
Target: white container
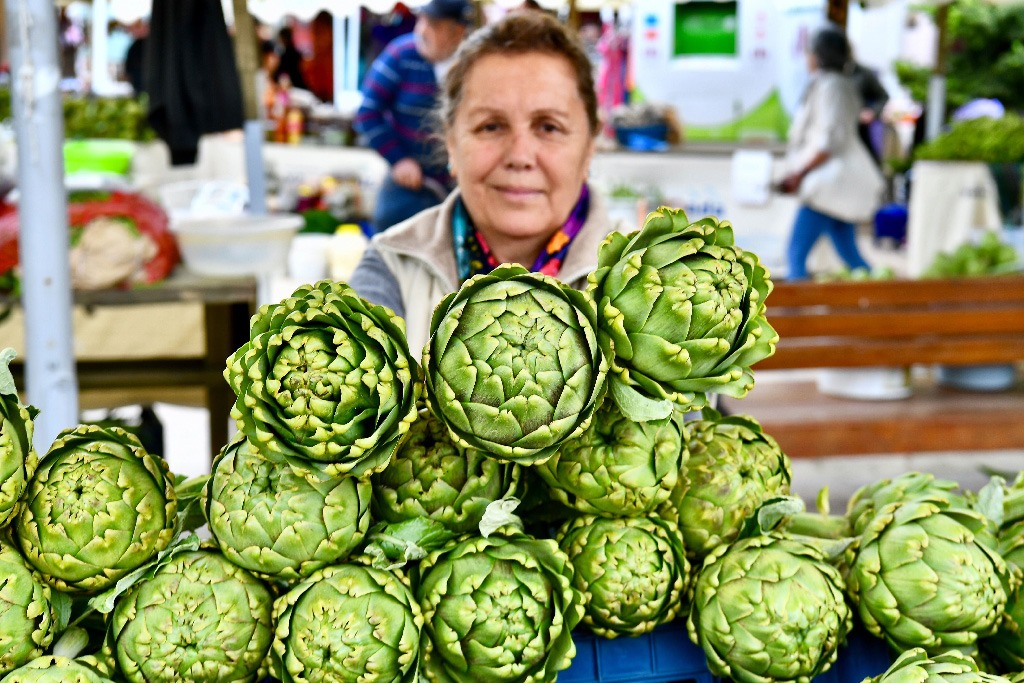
(236,245)
(865,384)
(347,246)
(308,257)
(202,199)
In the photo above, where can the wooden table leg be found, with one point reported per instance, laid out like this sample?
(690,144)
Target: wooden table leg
(227,328)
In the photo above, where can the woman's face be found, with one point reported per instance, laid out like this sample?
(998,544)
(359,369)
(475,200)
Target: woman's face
(520,144)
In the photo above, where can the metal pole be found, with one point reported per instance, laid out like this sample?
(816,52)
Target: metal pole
(252,130)
(352,47)
(936,106)
(338,44)
(43,215)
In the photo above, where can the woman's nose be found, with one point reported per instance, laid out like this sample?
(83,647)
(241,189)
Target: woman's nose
(522,150)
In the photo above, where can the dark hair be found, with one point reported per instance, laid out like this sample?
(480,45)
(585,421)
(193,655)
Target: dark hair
(519,33)
(831,48)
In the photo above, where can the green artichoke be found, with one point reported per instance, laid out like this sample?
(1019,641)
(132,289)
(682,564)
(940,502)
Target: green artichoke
(97,507)
(915,666)
(769,608)
(280,521)
(27,617)
(347,623)
(1007,645)
(512,364)
(870,498)
(733,468)
(681,313)
(497,609)
(618,467)
(17,456)
(632,571)
(432,476)
(325,376)
(55,669)
(921,578)
(199,618)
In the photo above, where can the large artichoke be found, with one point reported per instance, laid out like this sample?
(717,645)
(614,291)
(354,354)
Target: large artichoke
(512,365)
(632,571)
(681,313)
(347,624)
(325,376)
(1007,645)
(618,467)
(497,609)
(432,476)
(921,578)
(97,507)
(915,666)
(17,456)
(281,521)
(733,468)
(870,498)
(27,618)
(55,669)
(769,608)
(200,618)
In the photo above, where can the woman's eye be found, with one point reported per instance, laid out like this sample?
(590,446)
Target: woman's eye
(550,127)
(489,127)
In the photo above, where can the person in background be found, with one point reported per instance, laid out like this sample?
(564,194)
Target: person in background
(318,68)
(289,60)
(873,97)
(519,117)
(831,172)
(135,57)
(399,95)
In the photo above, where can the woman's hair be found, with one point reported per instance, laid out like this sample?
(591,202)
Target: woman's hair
(831,48)
(518,34)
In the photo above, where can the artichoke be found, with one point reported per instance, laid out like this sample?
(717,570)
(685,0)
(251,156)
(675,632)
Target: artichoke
(325,376)
(347,623)
(55,669)
(27,616)
(769,608)
(17,456)
(497,609)
(432,476)
(921,577)
(733,468)
(632,572)
(915,666)
(680,313)
(1007,645)
(618,467)
(98,507)
(279,521)
(512,365)
(870,498)
(199,618)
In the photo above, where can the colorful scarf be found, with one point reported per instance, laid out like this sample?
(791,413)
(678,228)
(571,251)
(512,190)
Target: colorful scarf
(473,255)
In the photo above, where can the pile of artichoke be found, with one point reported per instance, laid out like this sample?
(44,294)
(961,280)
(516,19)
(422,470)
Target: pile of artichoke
(547,463)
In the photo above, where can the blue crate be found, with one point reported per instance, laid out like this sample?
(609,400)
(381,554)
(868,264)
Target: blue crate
(666,655)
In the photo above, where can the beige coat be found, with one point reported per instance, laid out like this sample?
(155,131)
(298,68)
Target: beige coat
(420,252)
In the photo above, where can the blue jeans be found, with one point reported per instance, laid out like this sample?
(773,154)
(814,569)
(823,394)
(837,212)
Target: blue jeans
(808,228)
(396,203)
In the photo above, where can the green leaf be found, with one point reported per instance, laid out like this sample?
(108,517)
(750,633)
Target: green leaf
(104,602)
(500,513)
(636,406)
(7,385)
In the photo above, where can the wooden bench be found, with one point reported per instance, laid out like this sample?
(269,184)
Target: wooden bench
(891,323)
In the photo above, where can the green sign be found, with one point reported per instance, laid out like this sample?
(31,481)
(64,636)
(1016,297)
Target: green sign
(705,28)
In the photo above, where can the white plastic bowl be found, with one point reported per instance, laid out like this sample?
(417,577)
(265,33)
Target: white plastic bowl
(246,244)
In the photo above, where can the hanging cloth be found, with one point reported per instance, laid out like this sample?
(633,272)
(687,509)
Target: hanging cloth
(191,76)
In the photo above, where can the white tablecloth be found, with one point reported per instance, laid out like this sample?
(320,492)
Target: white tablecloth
(950,204)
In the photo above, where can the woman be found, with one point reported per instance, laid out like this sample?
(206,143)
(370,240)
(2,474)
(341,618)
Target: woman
(519,119)
(832,172)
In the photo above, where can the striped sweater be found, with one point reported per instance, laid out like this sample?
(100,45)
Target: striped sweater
(399,96)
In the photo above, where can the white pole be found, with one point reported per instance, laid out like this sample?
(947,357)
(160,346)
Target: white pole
(352,62)
(42,213)
(338,55)
(98,53)
(936,106)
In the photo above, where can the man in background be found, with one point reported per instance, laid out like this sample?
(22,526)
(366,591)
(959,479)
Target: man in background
(399,94)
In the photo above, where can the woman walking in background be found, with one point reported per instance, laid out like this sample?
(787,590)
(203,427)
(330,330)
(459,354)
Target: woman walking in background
(830,169)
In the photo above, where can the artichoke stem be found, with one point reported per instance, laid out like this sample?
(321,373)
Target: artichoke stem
(816,525)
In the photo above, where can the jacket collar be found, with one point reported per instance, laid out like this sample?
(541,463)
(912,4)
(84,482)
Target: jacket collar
(428,239)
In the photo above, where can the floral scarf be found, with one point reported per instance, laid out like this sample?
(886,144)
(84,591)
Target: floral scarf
(473,255)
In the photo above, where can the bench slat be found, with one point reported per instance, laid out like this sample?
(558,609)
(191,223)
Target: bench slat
(982,320)
(897,292)
(825,352)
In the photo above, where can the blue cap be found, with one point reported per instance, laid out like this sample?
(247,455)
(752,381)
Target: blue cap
(456,10)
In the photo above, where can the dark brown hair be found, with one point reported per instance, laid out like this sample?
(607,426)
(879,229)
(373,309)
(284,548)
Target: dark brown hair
(519,33)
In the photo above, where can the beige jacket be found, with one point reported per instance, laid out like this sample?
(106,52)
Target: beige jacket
(420,252)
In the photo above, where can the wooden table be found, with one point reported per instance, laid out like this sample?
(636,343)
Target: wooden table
(228,304)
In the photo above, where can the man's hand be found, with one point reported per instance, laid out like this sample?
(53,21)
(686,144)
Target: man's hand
(791,183)
(407,173)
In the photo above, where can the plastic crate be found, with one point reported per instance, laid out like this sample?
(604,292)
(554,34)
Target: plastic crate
(666,655)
